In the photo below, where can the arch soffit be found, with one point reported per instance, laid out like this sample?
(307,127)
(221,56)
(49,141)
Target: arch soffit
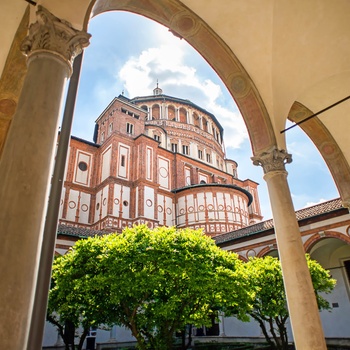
(326,145)
(183,23)
(308,245)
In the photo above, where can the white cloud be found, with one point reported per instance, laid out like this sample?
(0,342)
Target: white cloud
(176,78)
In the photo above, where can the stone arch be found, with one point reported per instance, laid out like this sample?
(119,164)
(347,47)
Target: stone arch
(155,112)
(326,145)
(242,258)
(171,112)
(265,251)
(196,120)
(185,24)
(205,124)
(308,245)
(183,115)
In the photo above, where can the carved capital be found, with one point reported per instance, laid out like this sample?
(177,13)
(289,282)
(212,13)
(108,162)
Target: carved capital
(346,203)
(51,34)
(272,160)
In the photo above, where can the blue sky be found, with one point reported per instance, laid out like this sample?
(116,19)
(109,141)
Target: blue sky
(129,53)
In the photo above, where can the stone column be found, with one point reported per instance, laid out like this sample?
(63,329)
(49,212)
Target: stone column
(26,168)
(302,305)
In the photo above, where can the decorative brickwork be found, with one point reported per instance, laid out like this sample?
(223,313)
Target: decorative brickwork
(135,174)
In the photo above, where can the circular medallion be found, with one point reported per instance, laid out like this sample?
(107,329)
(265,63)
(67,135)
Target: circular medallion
(82,166)
(163,172)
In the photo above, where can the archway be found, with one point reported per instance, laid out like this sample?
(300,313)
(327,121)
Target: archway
(333,253)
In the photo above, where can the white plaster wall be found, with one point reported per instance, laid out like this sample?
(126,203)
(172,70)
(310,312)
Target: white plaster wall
(181,211)
(333,260)
(160,209)
(98,205)
(220,200)
(210,204)
(191,213)
(170,212)
(200,203)
(84,207)
(72,205)
(234,328)
(83,177)
(126,197)
(105,195)
(123,171)
(106,164)
(149,202)
(117,200)
(163,173)
(187,176)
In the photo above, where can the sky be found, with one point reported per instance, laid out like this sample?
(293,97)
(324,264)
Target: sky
(129,53)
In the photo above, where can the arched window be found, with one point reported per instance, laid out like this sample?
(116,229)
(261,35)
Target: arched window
(171,113)
(155,112)
(183,115)
(205,124)
(196,120)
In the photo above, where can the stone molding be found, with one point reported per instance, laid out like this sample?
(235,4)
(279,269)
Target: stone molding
(56,36)
(272,160)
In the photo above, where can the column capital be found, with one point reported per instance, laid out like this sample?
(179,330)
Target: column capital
(272,160)
(56,36)
(346,203)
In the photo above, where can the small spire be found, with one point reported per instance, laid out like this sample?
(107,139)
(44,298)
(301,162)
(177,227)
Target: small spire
(157,90)
(123,92)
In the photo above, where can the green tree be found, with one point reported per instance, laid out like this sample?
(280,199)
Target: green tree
(170,278)
(77,298)
(270,305)
(154,282)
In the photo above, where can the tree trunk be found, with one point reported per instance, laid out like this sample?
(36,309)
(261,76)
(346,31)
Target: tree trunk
(82,338)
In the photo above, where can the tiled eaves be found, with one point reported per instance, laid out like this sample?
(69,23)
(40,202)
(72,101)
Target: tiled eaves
(302,214)
(79,232)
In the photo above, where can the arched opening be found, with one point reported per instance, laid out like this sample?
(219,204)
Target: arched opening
(171,113)
(334,255)
(183,115)
(156,112)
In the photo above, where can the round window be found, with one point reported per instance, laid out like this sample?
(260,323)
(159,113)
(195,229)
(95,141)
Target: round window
(126,203)
(82,166)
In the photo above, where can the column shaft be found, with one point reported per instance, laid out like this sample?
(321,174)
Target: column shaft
(302,305)
(25,171)
(301,300)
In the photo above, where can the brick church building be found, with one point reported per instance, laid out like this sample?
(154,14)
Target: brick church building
(158,160)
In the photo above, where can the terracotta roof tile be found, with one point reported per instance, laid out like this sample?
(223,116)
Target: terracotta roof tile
(301,214)
(78,231)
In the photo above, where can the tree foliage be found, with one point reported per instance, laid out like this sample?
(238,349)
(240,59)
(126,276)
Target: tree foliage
(154,282)
(270,305)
